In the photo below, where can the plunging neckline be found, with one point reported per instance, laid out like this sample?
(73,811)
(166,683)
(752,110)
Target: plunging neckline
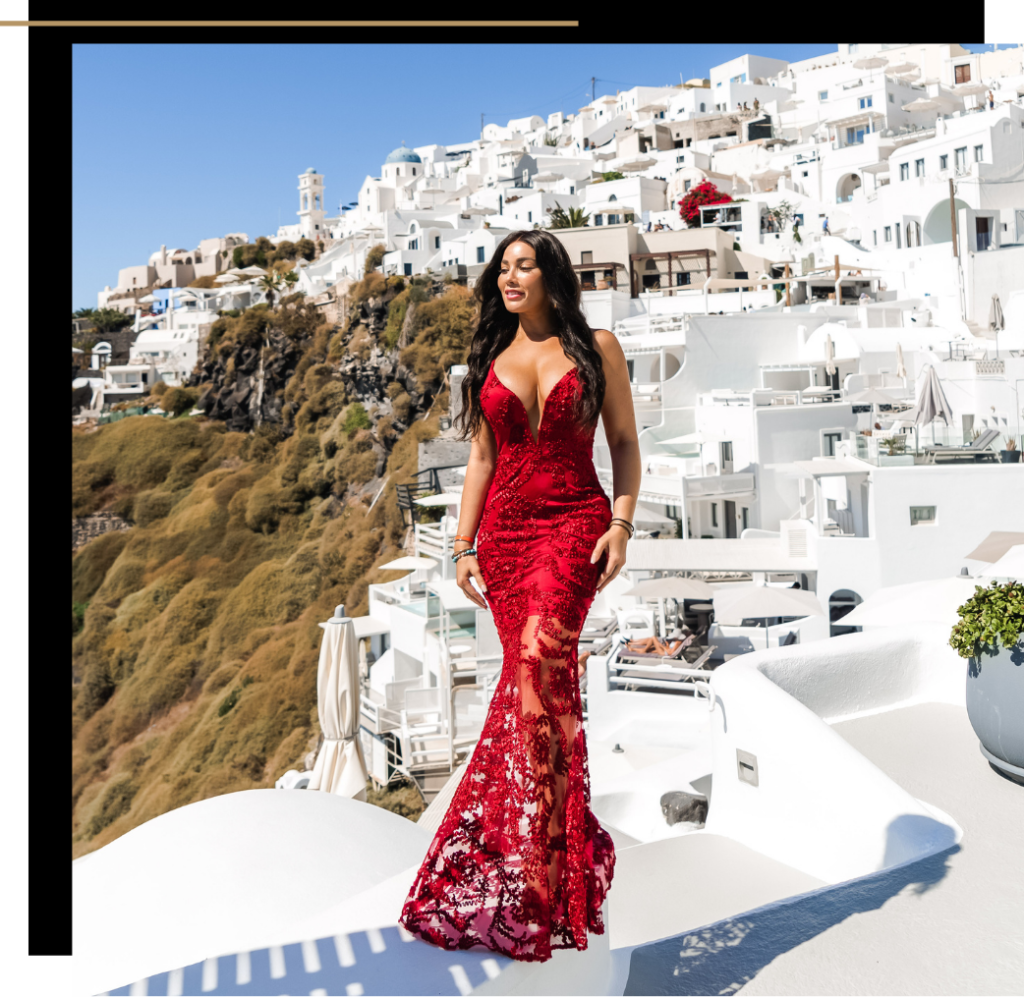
(540,421)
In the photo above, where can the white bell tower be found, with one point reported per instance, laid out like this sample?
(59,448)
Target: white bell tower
(311,205)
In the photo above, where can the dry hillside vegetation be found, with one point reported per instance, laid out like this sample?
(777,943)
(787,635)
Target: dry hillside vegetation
(195,637)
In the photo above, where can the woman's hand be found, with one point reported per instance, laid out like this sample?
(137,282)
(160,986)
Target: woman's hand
(614,542)
(466,569)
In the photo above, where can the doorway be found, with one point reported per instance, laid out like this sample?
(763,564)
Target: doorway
(730,520)
(984,233)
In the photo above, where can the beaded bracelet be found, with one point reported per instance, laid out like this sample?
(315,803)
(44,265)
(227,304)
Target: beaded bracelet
(463,553)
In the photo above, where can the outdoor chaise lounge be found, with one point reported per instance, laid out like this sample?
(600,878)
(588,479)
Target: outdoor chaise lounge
(976,450)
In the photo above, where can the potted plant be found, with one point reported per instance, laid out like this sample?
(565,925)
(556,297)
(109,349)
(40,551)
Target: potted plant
(989,635)
(895,444)
(1011,455)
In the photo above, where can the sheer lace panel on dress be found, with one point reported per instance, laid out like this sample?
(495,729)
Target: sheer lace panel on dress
(546,686)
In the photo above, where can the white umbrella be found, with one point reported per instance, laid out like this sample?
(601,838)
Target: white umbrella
(1010,565)
(432,501)
(339,766)
(995,315)
(901,370)
(254,270)
(970,89)
(227,278)
(933,601)
(871,62)
(698,437)
(902,67)
(146,299)
(408,563)
(921,104)
(672,588)
(734,605)
(871,396)
(830,367)
(642,163)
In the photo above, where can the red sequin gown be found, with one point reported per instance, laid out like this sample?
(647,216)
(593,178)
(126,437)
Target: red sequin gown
(519,864)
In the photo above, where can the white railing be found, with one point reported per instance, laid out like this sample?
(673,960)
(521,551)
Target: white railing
(718,484)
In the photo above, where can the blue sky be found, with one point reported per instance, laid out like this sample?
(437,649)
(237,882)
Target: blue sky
(176,143)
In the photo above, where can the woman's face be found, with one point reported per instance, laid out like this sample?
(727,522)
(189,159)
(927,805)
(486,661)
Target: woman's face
(521,283)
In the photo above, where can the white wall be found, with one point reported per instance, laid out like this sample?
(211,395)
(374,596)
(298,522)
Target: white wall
(820,806)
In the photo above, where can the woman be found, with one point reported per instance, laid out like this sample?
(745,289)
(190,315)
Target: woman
(519,864)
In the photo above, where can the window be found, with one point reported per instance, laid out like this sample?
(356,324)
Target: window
(414,243)
(864,102)
(962,74)
(960,157)
(829,439)
(529,216)
(804,173)
(598,219)
(943,162)
(414,171)
(714,513)
(854,47)
(888,233)
(587,256)
(918,167)
(407,267)
(874,237)
(437,242)
(682,279)
(746,518)
(480,254)
(686,185)
(702,106)
(922,515)
(615,219)
(904,171)
(822,95)
(978,153)
(892,98)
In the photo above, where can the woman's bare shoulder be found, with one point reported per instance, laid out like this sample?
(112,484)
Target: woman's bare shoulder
(608,346)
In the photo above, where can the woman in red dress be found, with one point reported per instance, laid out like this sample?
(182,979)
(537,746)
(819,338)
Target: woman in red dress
(519,864)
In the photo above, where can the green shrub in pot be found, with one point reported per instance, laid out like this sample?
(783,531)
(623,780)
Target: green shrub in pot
(989,636)
(990,617)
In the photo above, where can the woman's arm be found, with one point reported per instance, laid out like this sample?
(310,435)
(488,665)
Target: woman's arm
(482,457)
(620,430)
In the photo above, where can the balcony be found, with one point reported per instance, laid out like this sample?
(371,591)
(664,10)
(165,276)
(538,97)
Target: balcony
(713,485)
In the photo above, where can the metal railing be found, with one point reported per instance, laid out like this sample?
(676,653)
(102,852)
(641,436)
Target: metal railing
(427,482)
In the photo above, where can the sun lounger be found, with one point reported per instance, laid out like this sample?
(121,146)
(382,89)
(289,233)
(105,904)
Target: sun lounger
(675,655)
(975,450)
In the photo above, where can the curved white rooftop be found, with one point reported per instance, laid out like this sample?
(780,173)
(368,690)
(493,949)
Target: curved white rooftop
(229,874)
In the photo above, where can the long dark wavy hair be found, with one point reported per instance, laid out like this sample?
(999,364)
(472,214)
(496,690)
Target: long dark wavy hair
(498,326)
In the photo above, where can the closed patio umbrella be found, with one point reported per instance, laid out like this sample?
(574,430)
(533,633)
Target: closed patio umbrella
(995,315)
(830,355)
(901,370)
(931,401)
(340,767)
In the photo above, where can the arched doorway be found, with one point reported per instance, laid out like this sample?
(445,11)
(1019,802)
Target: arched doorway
(840,603)
(937,226)
(846,186)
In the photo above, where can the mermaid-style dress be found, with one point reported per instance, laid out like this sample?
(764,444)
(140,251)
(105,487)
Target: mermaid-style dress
(519,864)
